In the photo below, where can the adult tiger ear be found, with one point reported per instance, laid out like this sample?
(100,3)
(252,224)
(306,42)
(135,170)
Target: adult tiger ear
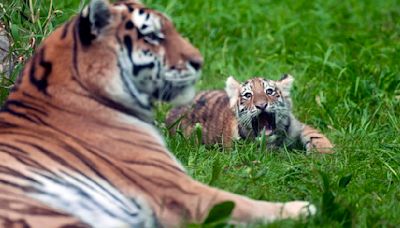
(232,89)
(93,19)
(285,84)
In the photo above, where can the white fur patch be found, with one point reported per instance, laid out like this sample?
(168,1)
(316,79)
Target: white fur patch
(185,97)
(232,88)
(146,22)
(95,202)
(132,95)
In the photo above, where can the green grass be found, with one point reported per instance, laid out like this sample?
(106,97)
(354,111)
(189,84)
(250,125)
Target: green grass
(345,58)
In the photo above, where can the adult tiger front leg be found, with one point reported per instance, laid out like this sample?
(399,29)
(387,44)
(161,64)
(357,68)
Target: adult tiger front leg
(196,200)
(76,141)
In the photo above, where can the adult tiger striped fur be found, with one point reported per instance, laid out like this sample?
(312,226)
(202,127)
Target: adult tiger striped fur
(244,111)
(76,141)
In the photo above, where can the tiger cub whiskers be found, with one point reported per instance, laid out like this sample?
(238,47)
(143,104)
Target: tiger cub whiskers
(263,105)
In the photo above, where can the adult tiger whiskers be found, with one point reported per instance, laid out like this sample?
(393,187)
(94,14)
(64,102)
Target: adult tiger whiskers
(76,141)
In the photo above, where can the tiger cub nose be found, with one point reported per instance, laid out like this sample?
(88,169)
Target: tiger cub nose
(262,106)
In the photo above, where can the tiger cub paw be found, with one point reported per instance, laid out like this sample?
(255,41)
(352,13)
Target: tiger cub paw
(298,209)
(321,144)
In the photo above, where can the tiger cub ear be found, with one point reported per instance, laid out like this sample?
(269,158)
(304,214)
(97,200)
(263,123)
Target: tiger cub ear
(285,84)
(93,19)
(232,89)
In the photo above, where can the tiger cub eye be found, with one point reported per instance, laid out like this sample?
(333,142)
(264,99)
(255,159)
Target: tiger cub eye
(247,95)
(269,91)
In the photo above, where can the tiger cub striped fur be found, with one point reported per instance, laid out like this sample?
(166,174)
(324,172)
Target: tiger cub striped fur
(211,110)
(245,111)
(77,144)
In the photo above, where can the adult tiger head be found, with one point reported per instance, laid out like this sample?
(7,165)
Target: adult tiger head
(259,102)
(123,55)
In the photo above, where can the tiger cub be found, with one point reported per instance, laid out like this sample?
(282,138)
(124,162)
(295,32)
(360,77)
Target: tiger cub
(246,111)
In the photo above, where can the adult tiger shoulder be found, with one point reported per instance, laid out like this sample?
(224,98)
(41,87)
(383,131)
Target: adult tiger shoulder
(76,143)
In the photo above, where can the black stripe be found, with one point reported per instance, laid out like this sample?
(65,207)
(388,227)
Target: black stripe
(84,28)
(41,82)
(142,106)
(75,53)
(315,137)
(137,68)
(129,25)
(161,182)
(130,8)
(287,126)
(5,124)
(5,148)
(30,163)
(49,154)
(85,160)
(65,30)
(211,113)
(25,105)
(139,34)
(145,144)
(163,166)
(74,225)
(14,173)
(129,46)
(144,27)
(15,185)
(23,116)
(48,104)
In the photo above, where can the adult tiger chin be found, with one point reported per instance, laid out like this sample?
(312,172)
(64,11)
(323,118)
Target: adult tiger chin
(185,96)
(76,143)
(180,89)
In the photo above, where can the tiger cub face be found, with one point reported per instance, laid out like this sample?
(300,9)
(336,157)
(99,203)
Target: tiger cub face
(260,103)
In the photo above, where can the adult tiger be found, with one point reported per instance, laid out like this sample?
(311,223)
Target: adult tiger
(76,141)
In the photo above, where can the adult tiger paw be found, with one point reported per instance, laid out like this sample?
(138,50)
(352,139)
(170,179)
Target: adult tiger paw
(298,209)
